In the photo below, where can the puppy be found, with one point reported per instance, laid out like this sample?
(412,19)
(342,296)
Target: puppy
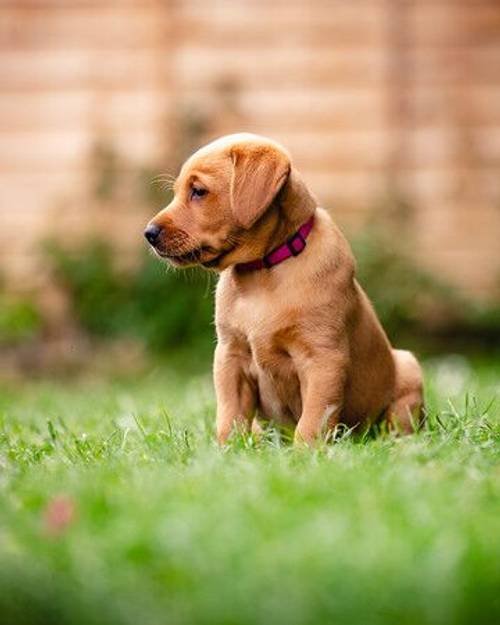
(298,340)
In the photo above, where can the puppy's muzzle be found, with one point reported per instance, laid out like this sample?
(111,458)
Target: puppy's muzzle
(152,234)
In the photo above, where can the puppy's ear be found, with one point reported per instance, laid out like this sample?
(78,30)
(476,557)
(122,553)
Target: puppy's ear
(258,174)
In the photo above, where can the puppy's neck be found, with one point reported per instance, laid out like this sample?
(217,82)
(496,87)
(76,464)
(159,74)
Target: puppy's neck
(292,207)
(297,201)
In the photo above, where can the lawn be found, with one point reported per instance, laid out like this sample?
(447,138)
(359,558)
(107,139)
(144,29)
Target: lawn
(116,507)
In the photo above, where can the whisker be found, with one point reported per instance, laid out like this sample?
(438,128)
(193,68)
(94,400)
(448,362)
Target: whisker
(166,185)
(164,177)
(164,181)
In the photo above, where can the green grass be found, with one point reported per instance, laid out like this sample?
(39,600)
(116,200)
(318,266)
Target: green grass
(167,528)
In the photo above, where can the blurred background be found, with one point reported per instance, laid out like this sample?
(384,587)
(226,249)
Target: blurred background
(390,108)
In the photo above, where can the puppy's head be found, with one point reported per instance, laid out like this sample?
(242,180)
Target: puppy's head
(221,193)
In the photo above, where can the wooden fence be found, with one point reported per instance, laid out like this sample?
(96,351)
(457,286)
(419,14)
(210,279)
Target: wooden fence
(381,102)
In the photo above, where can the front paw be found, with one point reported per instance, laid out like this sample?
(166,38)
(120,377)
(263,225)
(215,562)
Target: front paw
(223,433)
(234,428)
(306,436)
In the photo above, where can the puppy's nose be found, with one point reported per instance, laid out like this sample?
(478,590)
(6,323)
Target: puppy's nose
(152,232)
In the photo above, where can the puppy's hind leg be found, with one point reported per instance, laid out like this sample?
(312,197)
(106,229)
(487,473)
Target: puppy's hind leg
(406,412)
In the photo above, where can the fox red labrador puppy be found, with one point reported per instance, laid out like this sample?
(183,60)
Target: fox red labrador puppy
(298,340)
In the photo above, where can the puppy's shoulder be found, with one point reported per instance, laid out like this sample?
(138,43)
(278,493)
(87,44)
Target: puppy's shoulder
(333,246)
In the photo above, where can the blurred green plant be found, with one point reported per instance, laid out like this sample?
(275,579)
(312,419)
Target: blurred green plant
(20,320)
(105,170)
(163,308)
(167,308)
(405,295)
(414,301)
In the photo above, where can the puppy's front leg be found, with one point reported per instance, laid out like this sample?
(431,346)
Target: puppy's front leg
(234,391)
(322,388)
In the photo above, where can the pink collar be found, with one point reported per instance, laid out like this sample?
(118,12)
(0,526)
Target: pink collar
(292,247)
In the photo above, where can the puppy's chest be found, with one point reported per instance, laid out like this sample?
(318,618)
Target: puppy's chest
(270,330)
(270,337)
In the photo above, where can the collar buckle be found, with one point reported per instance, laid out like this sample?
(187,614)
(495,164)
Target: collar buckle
(292,242)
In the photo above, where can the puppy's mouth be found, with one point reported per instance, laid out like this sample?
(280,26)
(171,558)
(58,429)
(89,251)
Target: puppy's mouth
(205,255)
(189,258)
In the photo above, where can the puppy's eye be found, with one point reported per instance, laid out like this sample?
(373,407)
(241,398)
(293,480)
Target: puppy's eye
(197,192)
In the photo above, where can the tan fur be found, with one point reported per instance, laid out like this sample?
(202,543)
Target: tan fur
(299,343)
